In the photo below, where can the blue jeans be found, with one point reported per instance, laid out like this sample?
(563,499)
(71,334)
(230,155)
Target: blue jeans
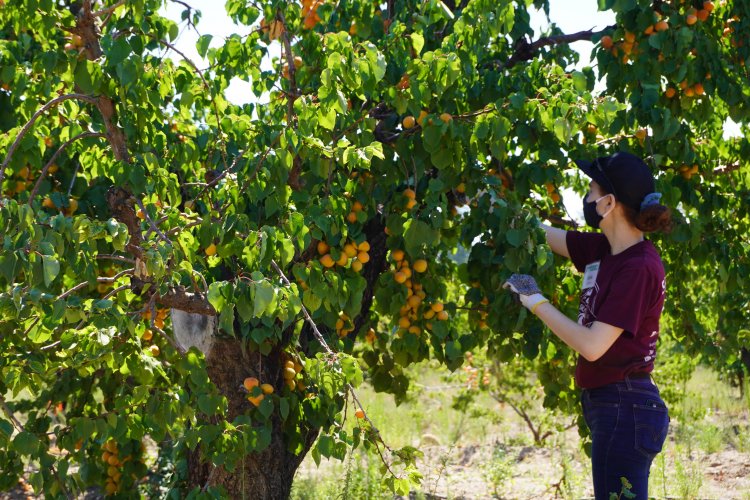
(628,422)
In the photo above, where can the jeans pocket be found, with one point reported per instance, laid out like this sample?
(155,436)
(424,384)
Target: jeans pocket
(603,398)
(651,426)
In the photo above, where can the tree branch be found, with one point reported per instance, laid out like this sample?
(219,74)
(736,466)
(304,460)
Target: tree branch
(16,423)
(725,169)
(179,298)
(121,204)
(119,258)
(525,51)
(72,290)
(108,10)
(54,157)
(151,222)
(25,129)
(112,279)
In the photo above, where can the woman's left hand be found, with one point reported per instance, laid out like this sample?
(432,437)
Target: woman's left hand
(526,290)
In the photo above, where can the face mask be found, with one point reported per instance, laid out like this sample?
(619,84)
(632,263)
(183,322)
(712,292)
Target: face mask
(590,214)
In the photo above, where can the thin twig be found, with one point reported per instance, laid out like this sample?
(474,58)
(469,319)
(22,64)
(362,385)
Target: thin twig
(119,258)
(150,221)
(51,346)
(309,319)
(178,229)
(208,480)
(25,129)
(32,325)
(112,279)
(72,290)
(115,291)
(334,357)
(73,178)
(108,10)
(174,344)
(16,423)
(525,51)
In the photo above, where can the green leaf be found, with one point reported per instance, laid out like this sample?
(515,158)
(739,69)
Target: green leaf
(264,295)
(202,44)
(417,42)
(579,82)
(515,237)
(88,76)
(215,297)
(51,267)
(417,234)
(284,408)
(327,118)
(119,51)
(26,443)
(562,130)
(352,371)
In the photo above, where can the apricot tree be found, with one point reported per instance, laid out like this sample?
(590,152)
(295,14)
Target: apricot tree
(313,231)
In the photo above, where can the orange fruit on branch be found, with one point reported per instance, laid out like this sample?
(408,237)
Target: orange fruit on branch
(250,382)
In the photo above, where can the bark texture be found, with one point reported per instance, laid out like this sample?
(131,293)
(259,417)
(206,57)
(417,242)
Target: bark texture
(266,475)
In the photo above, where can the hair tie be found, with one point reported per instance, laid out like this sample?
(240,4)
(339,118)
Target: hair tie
(650,199)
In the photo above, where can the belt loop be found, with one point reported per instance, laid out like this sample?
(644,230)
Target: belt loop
(627,382)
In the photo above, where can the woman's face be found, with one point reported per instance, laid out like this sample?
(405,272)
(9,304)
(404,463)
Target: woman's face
(595,192)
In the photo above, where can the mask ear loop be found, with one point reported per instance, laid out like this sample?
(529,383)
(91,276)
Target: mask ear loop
(613,206)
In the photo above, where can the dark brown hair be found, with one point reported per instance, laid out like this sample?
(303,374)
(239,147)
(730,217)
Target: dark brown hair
(650,219)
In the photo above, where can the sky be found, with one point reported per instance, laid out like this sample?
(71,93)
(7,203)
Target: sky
(570,16)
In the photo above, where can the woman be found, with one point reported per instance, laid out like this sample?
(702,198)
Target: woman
(621,302)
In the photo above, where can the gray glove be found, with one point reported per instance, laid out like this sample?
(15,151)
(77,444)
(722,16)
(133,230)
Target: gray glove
(522,284)
(526,290)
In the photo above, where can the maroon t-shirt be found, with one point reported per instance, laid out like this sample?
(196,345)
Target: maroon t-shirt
(627,291)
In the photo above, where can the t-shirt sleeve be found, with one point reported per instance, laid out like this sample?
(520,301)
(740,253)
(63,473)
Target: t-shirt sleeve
(585,248)
(630,296)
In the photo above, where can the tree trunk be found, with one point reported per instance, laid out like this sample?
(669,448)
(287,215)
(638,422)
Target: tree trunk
(267,474)
(264,475)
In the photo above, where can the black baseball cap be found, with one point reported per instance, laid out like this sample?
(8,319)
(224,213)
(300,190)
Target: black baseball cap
(623,174)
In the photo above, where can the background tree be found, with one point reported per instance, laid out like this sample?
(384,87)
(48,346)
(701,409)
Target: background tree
(315,226)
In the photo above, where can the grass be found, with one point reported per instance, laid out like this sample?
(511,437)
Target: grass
(485,449)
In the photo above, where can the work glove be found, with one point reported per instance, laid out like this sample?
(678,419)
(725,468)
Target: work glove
(526,290)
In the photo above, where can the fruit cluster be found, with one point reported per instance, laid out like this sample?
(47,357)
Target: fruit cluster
(687,171)
(370,336)
(481,313)
(357,207)
(148,334)
(114,460)
(293,375)
(409,121)
(161,315)
(344,325)
(273,28)
(356,253)
(411,198)
(416,308)
(627,47)
(310,15)
(256,391)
